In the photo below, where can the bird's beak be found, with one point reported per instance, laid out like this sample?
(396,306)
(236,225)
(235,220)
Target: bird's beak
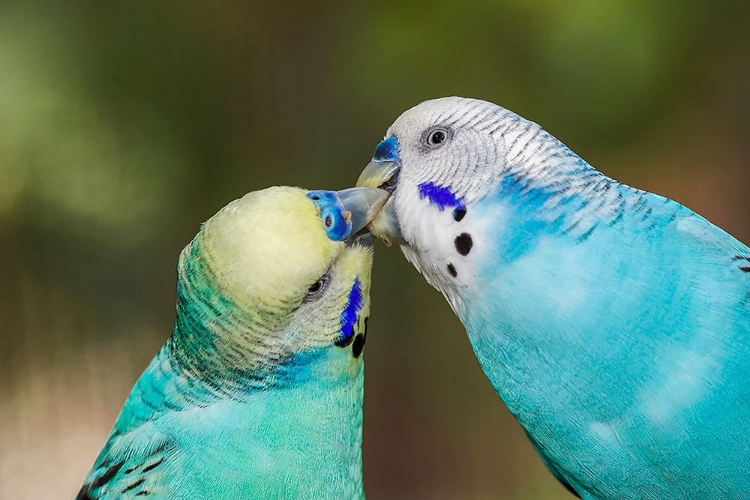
(346,213)
(383,175)
(380,174)
(382,171)
(363,203)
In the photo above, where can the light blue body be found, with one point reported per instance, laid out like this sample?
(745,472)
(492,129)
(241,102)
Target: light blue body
(616,328)
(613,323)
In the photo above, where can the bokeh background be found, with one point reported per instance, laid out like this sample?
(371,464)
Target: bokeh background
(124,125)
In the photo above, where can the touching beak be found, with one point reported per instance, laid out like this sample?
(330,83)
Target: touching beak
(364,204)
(380,174)
(384,175)
(347,212)
(382,171)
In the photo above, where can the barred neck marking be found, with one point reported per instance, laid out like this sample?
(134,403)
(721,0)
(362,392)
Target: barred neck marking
(229,346)
(578,200)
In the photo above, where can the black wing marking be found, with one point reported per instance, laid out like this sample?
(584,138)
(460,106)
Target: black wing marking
(125,469)
(744,261)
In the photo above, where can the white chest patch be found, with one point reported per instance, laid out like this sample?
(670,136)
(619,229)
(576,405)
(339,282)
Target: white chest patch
(443,244)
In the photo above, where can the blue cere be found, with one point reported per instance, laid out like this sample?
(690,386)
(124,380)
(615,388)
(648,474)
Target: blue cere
(349,315)
(322,197)
(439,195)
(387,150)
(337,227)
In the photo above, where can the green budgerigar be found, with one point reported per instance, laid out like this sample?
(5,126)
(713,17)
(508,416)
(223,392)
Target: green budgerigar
(258,391)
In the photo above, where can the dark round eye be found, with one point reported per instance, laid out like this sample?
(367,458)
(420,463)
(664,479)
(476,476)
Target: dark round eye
(328,221)
(317,288)
(437,137)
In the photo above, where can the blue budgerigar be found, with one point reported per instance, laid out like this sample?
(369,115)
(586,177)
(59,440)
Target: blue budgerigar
(258,391)
(614,323)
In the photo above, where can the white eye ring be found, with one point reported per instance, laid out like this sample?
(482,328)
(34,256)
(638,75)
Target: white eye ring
(437,137)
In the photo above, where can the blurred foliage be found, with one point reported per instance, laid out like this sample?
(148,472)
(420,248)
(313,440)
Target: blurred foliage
(124,125)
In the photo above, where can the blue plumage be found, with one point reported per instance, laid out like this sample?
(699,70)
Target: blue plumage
(613,323)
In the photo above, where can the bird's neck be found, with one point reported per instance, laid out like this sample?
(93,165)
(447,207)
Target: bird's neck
(215,340)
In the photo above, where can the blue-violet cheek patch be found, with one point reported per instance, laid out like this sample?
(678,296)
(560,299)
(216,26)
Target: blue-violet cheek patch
(350,313)
(438,195)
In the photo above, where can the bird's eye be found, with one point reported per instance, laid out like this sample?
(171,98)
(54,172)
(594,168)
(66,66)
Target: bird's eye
(317,288)
(437,137)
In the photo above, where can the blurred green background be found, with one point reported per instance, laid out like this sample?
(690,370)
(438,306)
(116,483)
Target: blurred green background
(124,125)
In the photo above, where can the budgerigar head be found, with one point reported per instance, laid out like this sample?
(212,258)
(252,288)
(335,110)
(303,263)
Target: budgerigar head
(274,283)
(439,159)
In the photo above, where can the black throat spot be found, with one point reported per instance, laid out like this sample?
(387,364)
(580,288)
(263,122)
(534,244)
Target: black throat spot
(463,244)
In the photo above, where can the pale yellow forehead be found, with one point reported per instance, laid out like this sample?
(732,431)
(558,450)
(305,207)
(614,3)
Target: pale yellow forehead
(269,242)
